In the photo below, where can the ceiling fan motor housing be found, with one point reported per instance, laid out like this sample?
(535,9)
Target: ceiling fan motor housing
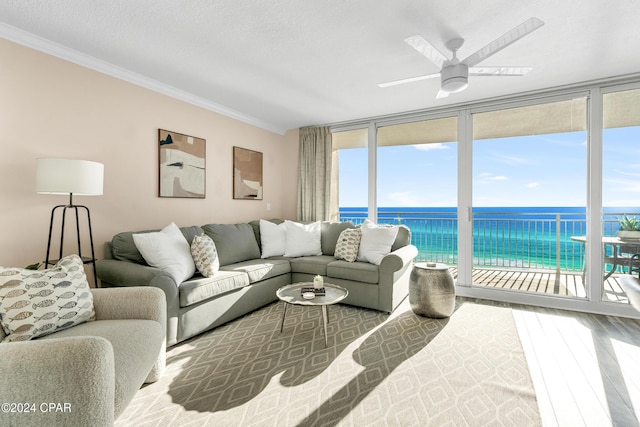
(455,77)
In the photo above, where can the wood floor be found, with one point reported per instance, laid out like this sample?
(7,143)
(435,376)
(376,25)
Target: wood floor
(585,367)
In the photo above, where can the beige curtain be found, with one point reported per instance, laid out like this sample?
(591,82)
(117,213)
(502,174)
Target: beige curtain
(314,174)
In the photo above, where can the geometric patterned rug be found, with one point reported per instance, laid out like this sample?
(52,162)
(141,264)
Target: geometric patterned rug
(379,370)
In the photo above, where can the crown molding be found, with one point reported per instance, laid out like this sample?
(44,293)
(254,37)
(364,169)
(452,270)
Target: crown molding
(49,47)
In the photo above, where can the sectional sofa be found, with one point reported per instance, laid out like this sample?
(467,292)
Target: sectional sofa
(246,281)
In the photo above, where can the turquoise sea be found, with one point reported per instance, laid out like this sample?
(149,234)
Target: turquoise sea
(526,237)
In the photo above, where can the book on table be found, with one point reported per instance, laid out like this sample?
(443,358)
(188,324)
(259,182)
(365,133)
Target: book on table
(317,291)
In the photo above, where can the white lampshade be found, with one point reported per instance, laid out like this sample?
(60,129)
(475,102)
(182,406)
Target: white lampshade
(68,176)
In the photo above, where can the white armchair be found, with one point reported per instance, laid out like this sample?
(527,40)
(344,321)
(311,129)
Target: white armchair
(86,375)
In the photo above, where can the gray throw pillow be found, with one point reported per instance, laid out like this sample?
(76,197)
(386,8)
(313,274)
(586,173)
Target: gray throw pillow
(234,242)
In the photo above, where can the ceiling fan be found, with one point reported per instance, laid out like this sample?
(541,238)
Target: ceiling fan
(454,73)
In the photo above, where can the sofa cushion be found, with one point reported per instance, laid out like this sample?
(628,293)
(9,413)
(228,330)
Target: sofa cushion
(261,269)
(136,344)
(123,247)
(234,242)
(403,238)
(302,239)
(35,303)
(311,264)
(205,255)
(330,233)
(202,288)
(167,250)
(357,271)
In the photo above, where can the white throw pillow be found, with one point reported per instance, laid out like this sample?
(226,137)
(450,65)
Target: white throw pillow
(273,238)
(205,255)
(167,250)
(302,239)
(376,241)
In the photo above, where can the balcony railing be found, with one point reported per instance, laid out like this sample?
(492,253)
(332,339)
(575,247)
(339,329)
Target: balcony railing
(528,240)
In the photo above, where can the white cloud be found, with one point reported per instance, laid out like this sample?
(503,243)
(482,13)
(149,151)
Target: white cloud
(510,160)
(492,177)
(533,185)
(432,146)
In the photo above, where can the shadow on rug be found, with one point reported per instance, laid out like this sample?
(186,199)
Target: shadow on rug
(379,369)
(235,362)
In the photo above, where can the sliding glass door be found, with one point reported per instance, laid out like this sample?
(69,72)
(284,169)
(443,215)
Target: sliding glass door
(620,190)
(529,197)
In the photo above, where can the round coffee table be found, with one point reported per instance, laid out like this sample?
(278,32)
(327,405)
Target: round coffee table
(291,294)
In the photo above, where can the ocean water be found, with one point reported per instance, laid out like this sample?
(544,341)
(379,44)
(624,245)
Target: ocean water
(519,237)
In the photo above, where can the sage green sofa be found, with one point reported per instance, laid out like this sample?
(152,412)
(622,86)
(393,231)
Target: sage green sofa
(86,375)
(246,282)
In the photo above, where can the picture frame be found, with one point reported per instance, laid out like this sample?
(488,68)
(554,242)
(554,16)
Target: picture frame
(181,165)
(247,174)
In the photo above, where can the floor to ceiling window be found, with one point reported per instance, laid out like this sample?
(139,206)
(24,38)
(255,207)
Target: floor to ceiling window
(417,184)
(350,182)
(511,194)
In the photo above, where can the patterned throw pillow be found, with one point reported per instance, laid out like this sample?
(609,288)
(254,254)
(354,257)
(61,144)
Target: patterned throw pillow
(348,244)
(39,302)
(205,255)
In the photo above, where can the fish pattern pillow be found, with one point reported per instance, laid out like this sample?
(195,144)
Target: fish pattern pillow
(39,302)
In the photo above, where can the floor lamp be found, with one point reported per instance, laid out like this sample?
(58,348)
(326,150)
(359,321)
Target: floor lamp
(72,177)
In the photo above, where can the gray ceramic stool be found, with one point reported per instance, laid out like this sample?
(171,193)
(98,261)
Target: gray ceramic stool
(432,292)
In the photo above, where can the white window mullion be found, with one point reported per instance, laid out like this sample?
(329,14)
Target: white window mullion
(465,198)
(372,151)
(593,252)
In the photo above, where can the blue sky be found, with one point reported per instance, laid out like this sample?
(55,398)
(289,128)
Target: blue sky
(540,170)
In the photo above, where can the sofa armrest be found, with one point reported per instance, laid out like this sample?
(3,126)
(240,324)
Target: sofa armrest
(146,303)
(395,270)
(114,272)
(118,273)
(64,381)
(398,259)
(130,303)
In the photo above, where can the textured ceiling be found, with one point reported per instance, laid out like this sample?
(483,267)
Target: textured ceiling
(284,64)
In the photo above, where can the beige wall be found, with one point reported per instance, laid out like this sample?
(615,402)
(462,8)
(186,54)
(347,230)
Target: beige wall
(53,108)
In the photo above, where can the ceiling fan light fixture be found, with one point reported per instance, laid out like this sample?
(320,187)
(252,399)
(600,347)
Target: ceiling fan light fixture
(455,84)
(455,78)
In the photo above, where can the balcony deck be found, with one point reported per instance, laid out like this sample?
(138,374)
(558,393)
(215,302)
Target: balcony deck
(542,281)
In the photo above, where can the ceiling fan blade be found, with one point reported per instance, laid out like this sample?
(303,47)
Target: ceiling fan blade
(425,48)
(499,71)
(500,43)
(442,94)
(409,80)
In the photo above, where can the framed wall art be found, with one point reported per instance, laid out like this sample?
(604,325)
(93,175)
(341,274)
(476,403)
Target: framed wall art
(182,165)
(247,174)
